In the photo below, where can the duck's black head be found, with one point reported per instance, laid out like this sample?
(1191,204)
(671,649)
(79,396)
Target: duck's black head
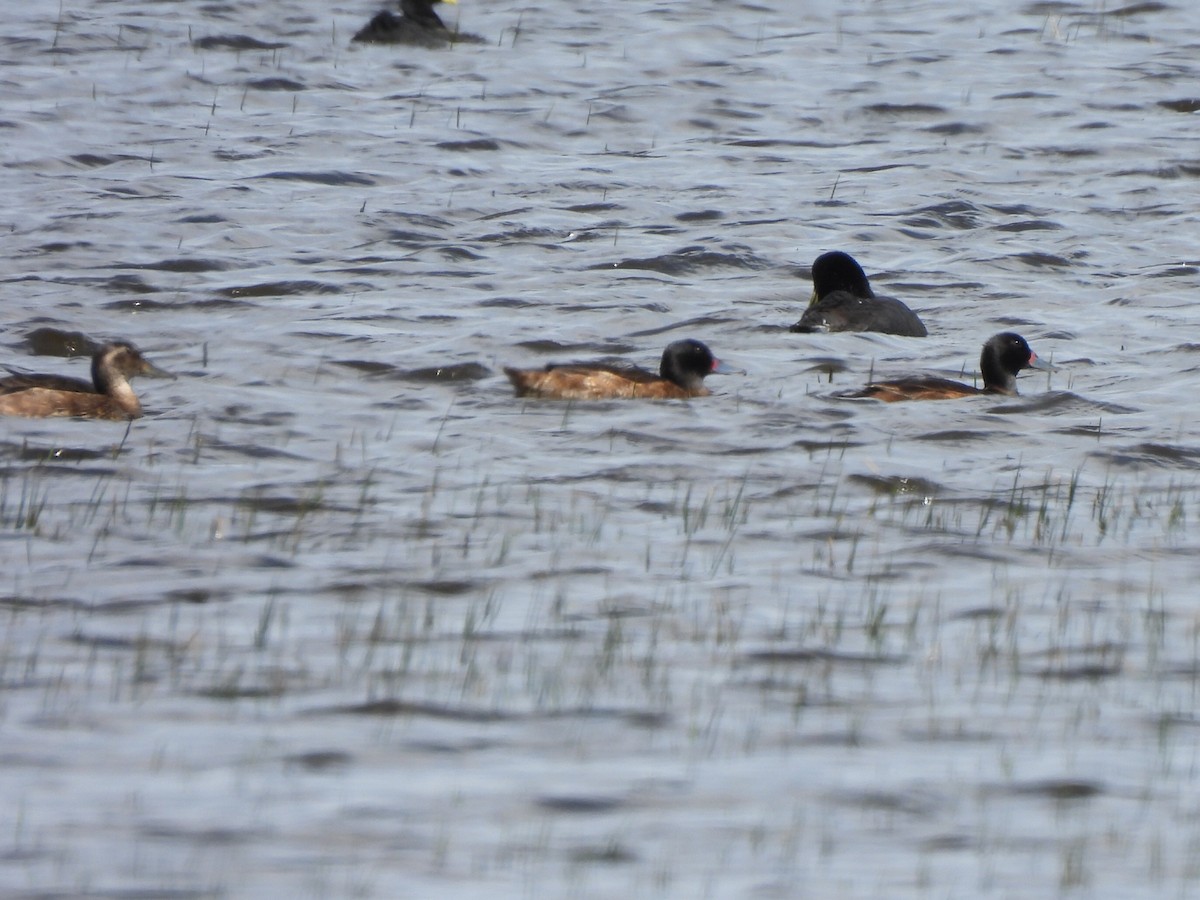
(1003,356)
(687,362)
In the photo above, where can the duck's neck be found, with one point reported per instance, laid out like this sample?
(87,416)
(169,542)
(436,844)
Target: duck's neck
(995,379)
(121,393)
(689,381)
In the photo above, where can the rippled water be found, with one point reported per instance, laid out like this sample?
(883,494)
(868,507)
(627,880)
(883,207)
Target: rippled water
(341,617)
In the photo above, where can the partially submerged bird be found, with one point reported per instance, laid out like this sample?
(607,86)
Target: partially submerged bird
(1004,355)
(681,375)
(842,300)
(417,25)
(107,396)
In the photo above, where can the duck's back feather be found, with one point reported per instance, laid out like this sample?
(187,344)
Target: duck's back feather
(919,388)
(596,382)
(42,402)
(21,381)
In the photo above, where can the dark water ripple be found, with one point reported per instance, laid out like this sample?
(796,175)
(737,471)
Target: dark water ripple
(689,261)
(1153,454)
(332,179)
(239,42)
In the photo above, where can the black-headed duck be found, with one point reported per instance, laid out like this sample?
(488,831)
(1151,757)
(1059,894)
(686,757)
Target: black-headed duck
(1004,355)
(681,375)
(107,396)
(842,300)
(417,25)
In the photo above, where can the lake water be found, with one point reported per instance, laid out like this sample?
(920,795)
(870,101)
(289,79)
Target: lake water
(340,617)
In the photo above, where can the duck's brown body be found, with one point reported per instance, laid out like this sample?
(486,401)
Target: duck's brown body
(597,382)
(923,389)
(108,396)
(681,375)
(39,403)
(1003,356)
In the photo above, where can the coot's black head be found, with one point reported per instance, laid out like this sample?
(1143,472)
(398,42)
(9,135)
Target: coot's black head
(687,362)
(421,12)
(838,271)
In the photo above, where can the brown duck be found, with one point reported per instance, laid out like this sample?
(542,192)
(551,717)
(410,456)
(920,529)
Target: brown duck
(107,396)
(1003,356)
(681,375)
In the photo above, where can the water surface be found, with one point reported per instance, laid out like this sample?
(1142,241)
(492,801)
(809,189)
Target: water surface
(341,617)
